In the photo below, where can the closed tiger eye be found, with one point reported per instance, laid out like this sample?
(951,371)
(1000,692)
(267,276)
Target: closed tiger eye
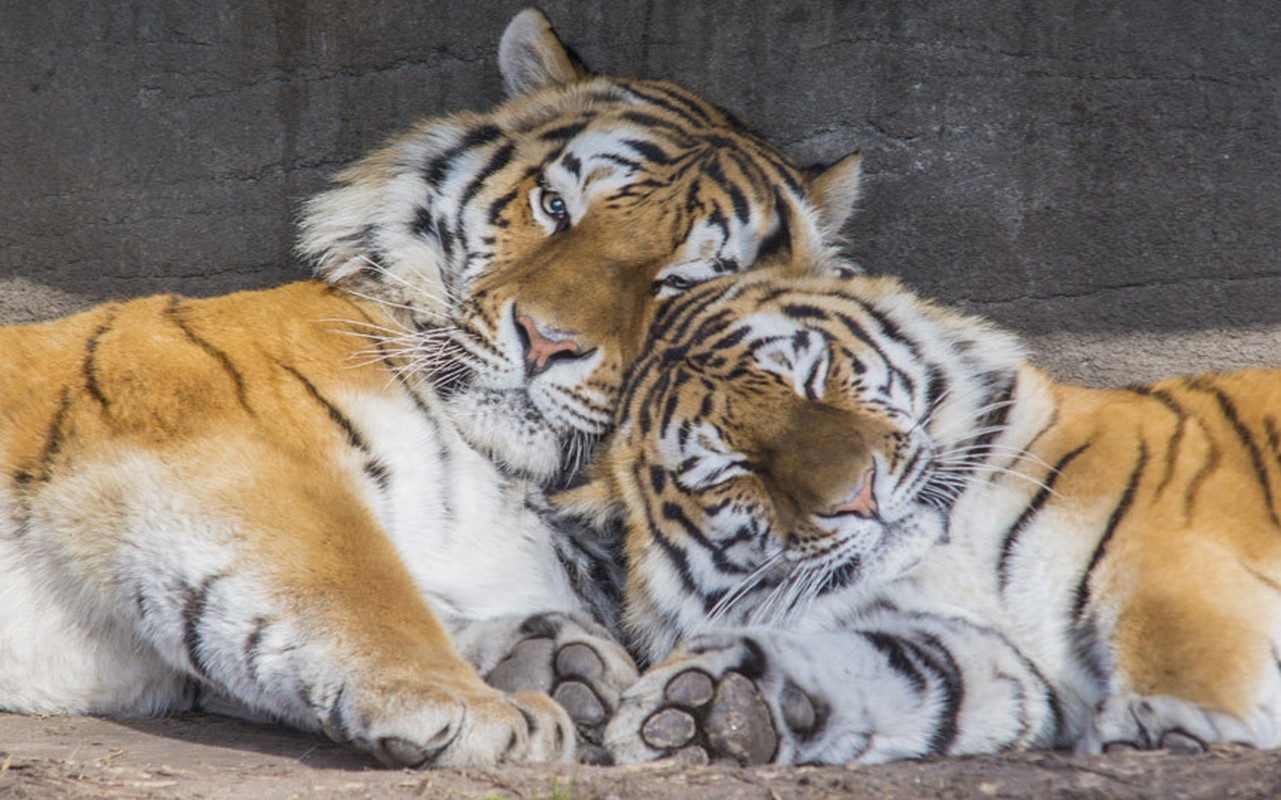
(553,205)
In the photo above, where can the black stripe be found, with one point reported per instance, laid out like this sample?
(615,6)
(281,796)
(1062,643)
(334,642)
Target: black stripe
(952,684)
(649,151)
(252,650)
(804,311)
(424,223)
(1009,543)
(1274,437)
(842,576)
(335,415)
(572,164)
(681,110)
(1229,410)
(781,239)
(193,613)
(655,123)
(912,661)
(675,555)
(742,209)
(563,132)
(438,168)
(499,205)
(1172,448)
(501,158)
(675,101)
(1122,506)
(89,367)
(372,466)
(54,438)
(173,312)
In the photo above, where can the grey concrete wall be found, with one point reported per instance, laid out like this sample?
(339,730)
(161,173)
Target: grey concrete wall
(1103,176)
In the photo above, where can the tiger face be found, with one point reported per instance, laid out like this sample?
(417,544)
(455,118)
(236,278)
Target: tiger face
(786,445)
(524,248)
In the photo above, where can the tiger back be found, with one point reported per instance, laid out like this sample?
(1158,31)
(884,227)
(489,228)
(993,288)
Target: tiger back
(325,504)
(878,533)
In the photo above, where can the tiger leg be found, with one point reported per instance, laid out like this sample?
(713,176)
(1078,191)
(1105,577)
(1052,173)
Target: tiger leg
(268,582)
(566,655)
(1195,657)
(900,689)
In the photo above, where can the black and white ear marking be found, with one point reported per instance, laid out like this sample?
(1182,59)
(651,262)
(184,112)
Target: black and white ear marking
(803,358)
(531,57)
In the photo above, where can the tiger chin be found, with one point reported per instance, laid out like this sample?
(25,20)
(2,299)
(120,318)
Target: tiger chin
(324,503)
(861,527)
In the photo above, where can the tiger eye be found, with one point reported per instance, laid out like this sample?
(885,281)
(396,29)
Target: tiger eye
(554,205)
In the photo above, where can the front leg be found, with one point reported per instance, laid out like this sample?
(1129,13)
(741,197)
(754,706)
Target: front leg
(905,688)
(277,591)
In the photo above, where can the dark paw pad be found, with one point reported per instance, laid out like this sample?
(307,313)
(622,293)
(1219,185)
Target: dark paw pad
(739,724)
(526,669)
(582,704)
(708,722)
(669,729)
(579,661)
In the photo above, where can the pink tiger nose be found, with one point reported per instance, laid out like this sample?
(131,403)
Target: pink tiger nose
(863,503)
(541,350)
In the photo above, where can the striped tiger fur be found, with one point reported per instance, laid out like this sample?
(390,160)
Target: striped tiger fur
(872,531)
(325,503)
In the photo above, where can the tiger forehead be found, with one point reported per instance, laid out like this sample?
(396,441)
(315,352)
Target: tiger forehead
(651,126)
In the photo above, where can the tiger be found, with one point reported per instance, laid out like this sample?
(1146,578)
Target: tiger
(325,504)
(862,527)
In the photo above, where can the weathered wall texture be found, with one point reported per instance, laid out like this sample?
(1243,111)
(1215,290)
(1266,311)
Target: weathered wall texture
(1103,176)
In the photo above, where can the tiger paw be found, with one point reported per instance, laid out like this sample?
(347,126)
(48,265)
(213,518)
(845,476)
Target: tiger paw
(576,662)
(1132,722)
(439,725)
(716,702)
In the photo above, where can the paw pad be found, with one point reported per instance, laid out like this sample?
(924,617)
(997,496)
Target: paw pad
(704,721)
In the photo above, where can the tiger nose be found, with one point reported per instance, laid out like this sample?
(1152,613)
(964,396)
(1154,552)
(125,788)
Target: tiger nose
(863,504)
(540,350)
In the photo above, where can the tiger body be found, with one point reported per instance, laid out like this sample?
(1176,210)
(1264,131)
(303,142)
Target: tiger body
(879,533)
(326,503)
(168,437)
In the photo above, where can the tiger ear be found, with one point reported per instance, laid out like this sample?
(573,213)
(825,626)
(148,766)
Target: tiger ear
(531,57)
(834,191)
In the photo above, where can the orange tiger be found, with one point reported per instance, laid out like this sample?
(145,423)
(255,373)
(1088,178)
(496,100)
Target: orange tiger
(873,531)
(325,503)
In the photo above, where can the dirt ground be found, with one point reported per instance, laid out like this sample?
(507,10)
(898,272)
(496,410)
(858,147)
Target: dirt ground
(213,757)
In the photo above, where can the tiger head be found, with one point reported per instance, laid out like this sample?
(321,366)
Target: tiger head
(786,444)
(524,249)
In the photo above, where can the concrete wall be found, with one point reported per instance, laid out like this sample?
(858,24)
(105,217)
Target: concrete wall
(1103,176)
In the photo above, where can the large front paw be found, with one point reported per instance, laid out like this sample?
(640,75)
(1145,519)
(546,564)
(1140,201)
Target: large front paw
(575,661)
(436,725)
(716,702)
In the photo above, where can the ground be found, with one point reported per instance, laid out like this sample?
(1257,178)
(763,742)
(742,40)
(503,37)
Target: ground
(212,757)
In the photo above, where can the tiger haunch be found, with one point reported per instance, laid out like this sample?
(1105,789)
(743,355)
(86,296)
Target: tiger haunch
(911,542)
(325,503)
